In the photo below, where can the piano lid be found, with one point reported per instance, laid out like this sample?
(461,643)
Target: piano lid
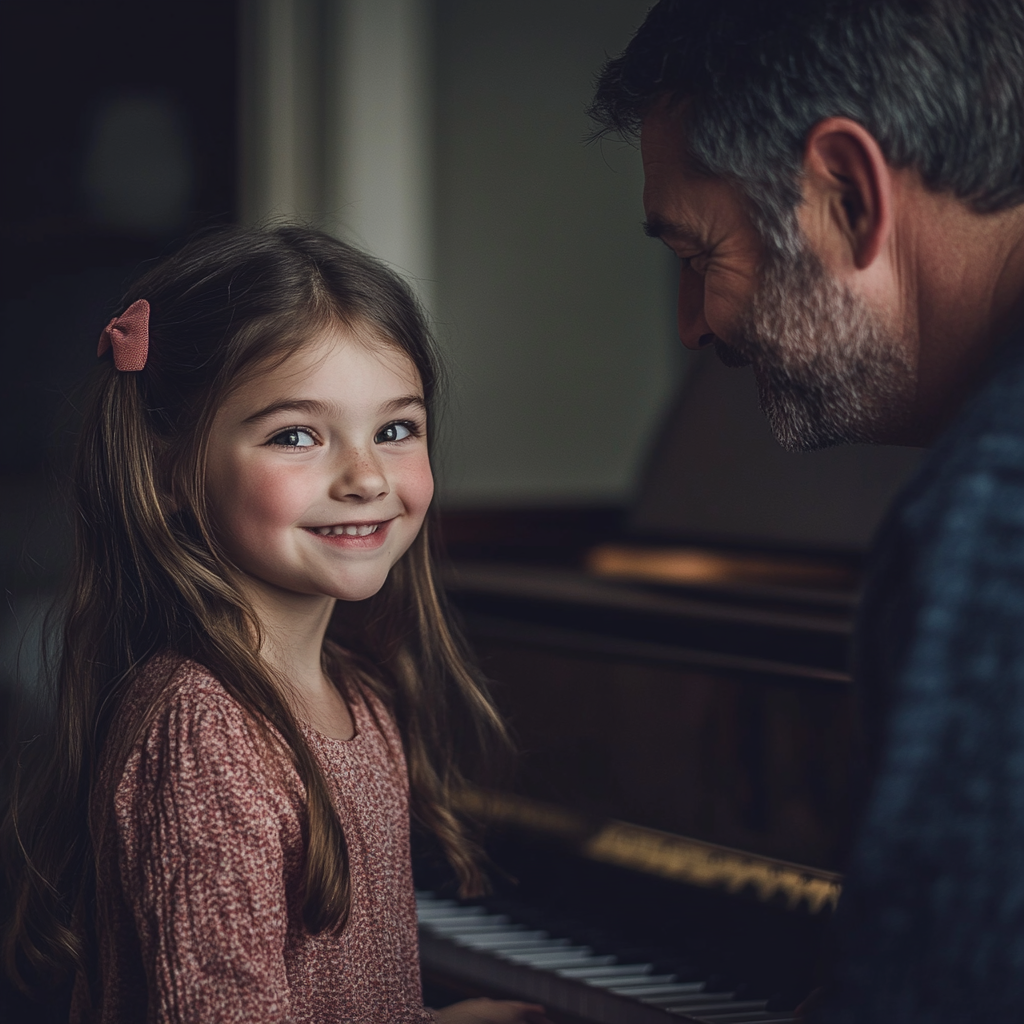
(716,474)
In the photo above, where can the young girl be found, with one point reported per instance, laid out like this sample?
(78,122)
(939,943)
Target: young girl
(223,831)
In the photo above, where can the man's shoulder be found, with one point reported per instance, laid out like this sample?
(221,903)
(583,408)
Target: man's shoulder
(976,468)
(955,535)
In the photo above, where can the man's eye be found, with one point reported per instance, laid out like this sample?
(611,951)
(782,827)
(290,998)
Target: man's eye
(294,437)
(394,432)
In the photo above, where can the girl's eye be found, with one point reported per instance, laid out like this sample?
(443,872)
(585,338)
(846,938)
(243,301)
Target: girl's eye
(294,437)
(394,432)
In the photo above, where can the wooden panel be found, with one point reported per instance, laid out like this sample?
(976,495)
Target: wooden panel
(754,762)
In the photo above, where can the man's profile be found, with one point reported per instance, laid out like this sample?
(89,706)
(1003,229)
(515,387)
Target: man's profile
(843,183)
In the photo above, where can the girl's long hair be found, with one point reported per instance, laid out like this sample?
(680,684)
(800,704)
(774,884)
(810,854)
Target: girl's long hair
(148,576)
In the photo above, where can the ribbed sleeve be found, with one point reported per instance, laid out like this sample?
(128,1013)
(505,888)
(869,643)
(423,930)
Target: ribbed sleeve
(202,867)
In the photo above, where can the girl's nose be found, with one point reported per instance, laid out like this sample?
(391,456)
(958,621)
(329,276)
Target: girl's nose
(360,476)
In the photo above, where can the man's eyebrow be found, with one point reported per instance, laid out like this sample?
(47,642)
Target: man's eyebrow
(316,407)
(659,227)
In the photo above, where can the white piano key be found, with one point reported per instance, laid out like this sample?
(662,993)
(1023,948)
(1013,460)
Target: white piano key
(510,954)
(613,972)
(551,958)
(701,999)
(553,947)
(508,940)
(594,962)
(615,982)
(475,926)
(727,1007)
(430,914)
(659,985)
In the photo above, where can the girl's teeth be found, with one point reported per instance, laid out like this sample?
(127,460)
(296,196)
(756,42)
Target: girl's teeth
(347,531)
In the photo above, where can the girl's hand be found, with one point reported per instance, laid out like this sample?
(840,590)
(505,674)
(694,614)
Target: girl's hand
(491,1011)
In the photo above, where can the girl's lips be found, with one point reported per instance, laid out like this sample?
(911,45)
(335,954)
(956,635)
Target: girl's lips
(348,542)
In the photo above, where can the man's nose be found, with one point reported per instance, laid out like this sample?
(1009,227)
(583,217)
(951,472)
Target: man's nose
(694,331)
(360,475)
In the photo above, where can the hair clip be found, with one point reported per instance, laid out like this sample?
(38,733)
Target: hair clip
(128,336)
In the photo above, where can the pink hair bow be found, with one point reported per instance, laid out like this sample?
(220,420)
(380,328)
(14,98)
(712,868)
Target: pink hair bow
(128,336)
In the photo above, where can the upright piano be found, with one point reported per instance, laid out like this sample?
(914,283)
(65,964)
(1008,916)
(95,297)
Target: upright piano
(675,673)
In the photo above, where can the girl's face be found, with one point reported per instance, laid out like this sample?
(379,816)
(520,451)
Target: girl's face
(318,477)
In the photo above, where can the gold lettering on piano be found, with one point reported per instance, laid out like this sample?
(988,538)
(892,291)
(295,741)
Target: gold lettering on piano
(649,850)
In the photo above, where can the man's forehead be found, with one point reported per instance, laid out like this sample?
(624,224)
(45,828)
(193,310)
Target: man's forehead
(683,205)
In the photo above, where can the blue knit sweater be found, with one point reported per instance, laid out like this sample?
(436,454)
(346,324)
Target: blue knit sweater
(931,922)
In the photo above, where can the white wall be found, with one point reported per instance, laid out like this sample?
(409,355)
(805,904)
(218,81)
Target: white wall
(448,137)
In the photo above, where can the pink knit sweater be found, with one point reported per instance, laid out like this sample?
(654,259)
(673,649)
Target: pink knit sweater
(200,866)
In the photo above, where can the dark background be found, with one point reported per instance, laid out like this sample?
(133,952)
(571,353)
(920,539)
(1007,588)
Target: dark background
(64,261)
(69,74)
(69,71)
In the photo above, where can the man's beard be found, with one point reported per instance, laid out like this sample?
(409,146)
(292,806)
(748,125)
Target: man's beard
(828,370)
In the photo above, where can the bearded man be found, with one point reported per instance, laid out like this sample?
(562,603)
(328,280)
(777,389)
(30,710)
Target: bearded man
(843,184)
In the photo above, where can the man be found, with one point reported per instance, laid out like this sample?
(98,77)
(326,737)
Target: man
(843,185)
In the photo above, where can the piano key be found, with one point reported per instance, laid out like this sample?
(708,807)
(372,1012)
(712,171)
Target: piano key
(703,999)
(616,981)
(477,926)
(450,915)
(612,973)
(724,1008)
(527,951)
(550,958)
(550,965)
(510,940)
(659,989)
(449,907)
(594,962)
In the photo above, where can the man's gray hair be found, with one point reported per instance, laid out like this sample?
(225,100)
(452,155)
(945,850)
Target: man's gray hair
(938,83)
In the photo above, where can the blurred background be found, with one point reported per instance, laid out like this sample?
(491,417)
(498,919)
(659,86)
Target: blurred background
(446,136)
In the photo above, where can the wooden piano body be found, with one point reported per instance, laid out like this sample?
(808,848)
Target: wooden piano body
(676,678)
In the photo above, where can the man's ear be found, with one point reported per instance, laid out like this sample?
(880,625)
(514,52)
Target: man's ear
(848,193)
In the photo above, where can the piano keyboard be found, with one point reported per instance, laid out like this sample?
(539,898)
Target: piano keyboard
(503,953)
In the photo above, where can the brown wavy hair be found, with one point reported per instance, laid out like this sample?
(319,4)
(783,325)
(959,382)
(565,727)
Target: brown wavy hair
(148,576)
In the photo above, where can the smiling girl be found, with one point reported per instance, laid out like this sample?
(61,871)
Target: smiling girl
(222,833)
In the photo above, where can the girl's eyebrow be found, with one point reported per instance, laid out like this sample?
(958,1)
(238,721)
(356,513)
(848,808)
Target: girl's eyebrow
(403,403)
(316,407)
